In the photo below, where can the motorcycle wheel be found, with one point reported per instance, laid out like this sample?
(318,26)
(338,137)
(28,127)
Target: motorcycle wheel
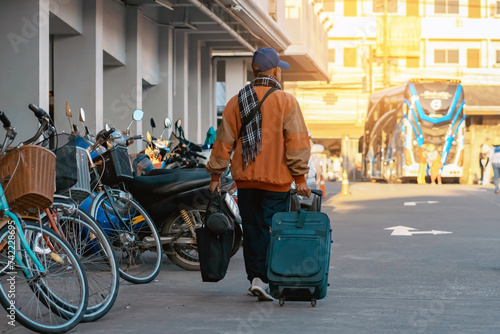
(185,255)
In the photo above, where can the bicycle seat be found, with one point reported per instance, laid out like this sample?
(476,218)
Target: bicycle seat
(169,182)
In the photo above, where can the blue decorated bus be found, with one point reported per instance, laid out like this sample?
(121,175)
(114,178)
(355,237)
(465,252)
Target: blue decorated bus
(401,119)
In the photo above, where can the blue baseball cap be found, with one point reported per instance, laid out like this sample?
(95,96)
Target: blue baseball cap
(268,58)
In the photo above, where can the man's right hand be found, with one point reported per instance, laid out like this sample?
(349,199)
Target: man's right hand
(214,185)
(304,190)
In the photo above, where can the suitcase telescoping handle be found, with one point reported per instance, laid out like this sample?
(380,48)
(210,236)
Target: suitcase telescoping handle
(303,213)
(293,192)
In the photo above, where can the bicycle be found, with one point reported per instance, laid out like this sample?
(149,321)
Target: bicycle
(129,228)
(40,275)
(93,249)
(80,230)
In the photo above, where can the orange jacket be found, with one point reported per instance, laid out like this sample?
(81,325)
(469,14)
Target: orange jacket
(285,144)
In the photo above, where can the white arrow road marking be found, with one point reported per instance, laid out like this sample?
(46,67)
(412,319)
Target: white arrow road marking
(400,230)
(435,232)
(409,231)
(422,202)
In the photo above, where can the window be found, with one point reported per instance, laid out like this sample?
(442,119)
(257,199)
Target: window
(474,9)
(446,6)
(350,8)
(498,57)
(350,57)
(412,8)
(328,5)
(378,6)
(331,55)
(412,62)
(473,58)
(273,9)
(498,8)
(446,56)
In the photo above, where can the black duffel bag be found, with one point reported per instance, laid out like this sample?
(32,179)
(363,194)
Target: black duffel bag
(215,241)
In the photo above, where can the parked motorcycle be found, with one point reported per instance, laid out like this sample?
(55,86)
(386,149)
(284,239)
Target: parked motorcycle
(176,200)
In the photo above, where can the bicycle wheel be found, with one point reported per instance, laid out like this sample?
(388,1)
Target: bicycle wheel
(29,295)
(91,245)
(132,234)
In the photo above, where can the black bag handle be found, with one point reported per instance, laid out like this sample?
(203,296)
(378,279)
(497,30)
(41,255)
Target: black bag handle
(247,120)
(215,194)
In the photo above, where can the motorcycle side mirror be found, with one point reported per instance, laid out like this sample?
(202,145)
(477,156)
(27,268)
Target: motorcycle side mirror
(68,114)
(152,122)
(178,123)
(167,123)
(82,115)
(138,114)
(68,111)
(107,127)
(148,136)
(82,120)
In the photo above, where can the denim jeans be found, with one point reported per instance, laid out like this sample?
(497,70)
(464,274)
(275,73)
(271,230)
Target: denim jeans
(496,175)
(257,208)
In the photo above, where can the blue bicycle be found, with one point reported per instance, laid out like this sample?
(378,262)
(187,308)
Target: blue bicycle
(42,284)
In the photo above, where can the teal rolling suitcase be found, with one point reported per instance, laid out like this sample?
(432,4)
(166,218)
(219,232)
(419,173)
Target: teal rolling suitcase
(299,256)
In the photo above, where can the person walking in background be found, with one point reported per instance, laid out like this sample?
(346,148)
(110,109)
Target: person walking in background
(494,156)
(422,164)
(271,152)
(484,162)
(435,164)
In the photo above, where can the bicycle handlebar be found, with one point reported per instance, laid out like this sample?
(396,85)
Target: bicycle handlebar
(4,120)
(198,155)
(39,112)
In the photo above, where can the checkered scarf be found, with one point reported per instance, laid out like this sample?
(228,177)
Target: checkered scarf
(251,135)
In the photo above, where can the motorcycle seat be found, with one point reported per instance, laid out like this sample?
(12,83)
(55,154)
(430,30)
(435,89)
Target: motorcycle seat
(170,182)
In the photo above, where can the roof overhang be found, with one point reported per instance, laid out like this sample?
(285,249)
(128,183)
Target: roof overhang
(261,24)
(482,100)
(303,67)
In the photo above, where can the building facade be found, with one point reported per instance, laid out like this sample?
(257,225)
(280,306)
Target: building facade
(378,44)
(166,57)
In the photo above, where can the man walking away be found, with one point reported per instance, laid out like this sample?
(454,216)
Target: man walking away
(485,164)
(494,157)
(272,151)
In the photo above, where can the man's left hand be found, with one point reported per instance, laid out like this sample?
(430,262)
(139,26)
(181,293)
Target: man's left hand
(304,190)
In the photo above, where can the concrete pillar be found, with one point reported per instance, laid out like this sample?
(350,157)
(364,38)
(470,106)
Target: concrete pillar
(181,79)
(207,87)
(24,69)
(194,91)
(158,99)
(238,76)
(123,84)
(78,70)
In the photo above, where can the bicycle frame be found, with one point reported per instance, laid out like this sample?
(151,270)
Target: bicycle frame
(4,207)
(104,190)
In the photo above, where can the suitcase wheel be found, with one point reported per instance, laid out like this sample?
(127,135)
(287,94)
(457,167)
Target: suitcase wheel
(282,301)
(313,302)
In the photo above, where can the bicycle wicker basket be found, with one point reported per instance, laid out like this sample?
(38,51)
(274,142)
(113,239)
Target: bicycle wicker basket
(27,175)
